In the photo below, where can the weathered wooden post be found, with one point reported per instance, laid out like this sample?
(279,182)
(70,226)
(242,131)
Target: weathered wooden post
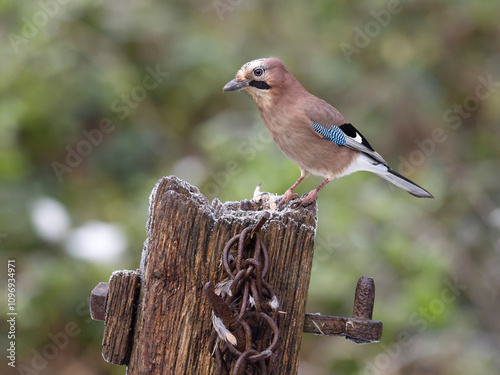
(158,320)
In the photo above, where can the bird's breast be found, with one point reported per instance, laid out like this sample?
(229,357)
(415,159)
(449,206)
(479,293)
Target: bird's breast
(299,143)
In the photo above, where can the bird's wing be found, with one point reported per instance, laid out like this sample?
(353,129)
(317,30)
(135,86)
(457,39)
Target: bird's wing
(347,135)
(328,123)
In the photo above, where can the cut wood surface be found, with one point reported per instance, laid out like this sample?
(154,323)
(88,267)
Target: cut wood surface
(186,235)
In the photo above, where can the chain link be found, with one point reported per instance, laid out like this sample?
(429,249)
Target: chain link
(245,308)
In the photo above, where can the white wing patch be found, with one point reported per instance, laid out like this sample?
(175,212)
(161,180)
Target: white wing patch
(358,138)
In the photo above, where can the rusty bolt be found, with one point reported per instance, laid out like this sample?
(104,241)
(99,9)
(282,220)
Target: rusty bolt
(364,298)
(98,301)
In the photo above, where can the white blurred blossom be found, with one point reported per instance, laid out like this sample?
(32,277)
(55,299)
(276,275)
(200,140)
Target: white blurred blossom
(50,219)
(96,241)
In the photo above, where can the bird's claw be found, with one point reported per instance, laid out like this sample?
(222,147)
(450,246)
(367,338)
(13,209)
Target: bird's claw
(306,201)
(303,202)
(287,197)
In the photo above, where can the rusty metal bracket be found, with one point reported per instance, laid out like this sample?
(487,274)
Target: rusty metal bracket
(360,329)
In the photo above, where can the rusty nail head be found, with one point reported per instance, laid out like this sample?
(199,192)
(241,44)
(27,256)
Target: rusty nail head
(98,301)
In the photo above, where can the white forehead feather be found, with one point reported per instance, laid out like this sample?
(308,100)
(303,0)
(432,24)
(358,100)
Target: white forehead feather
(251,65)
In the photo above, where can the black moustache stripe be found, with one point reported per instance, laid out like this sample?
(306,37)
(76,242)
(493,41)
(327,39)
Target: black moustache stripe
(260,85)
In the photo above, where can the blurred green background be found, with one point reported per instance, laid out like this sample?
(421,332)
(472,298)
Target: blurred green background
(99,99)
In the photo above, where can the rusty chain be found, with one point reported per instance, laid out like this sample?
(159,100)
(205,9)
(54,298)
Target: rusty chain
(244,308)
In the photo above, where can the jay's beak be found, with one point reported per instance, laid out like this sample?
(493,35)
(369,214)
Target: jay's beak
(236,85)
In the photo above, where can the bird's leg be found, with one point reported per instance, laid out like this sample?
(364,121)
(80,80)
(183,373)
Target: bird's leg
(288,196)
(313,194)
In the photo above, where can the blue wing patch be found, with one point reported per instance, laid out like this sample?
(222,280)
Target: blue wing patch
(333,133)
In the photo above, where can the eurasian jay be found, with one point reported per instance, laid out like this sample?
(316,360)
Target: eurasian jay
(309,131)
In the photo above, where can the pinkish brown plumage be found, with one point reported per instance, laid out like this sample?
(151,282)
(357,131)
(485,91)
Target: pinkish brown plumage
(308,130)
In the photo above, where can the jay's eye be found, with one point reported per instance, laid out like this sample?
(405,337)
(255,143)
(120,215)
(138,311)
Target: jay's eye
(258,72)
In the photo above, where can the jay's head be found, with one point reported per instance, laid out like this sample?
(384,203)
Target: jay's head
(261,78)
